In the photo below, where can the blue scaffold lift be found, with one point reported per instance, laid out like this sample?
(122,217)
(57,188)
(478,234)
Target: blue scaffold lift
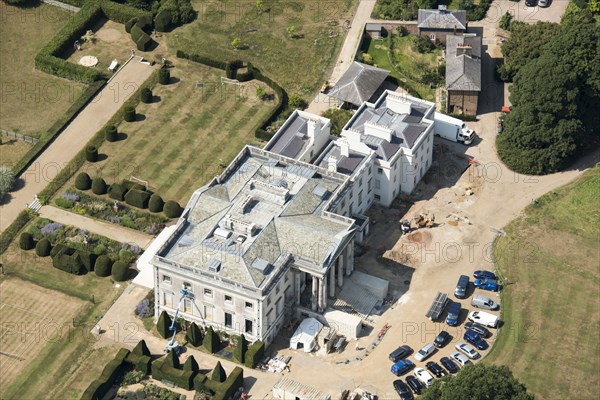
(172,344)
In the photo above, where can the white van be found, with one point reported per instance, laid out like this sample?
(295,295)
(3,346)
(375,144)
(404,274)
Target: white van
(484,302)
(484,318)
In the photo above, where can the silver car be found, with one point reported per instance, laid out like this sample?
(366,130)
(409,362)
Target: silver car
(543,3)
(425,352)
(459,358)
(467,349)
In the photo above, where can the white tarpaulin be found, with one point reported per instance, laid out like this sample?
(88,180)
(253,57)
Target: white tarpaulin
(305,336)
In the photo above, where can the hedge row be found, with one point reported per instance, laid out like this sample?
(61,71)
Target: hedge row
(49,60)
(48,137)
(253,73)
(98,388)
(168,369)
(254,354)
(10,233)
(73,261)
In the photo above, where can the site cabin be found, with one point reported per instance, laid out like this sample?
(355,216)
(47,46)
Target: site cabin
(452,129)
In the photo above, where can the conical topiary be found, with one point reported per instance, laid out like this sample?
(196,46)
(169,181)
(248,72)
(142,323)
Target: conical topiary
(211,340)
(218,373)
(191,364)
(240,349)
(194,335)
(141,349)
(163,324)
(172,360)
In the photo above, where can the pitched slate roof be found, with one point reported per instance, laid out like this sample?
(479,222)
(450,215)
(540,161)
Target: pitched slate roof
(463,72)
(442,19)
(358,83)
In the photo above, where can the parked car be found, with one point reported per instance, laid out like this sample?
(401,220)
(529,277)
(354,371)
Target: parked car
(461,287)
(543,3)
(484,318)
(449,365)
(477,328)
(482,274)
(530,3)
(400,353)
(401,367)
(403,390)
(487,284)
(441,339)
(475,340)
(415,385)
(424,376)
(460,359)
(453,313)
(467,350)
(435,369)
(425,352)
(484,302)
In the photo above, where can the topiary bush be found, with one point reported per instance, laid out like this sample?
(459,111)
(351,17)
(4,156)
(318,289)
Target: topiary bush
(103,266)
(162,21)
(111,133)
(43,248)
(57,249)
(146,95)
(137,198)
(164,76)
(68,260)
(91,153)
(254,354)
(83,181)
(120,271)
(218,373)
(163,324)
(156,203)
(194,335)
(26,241)
(129,24)
(211,341)
(116,191)
(129,114)
(143,43)
(99,186)
(172,209)
(240,349)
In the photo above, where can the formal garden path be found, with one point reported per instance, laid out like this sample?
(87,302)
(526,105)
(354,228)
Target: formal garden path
(111,231)
(74,137)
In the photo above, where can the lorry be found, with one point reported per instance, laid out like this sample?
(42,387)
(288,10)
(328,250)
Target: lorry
(453,129)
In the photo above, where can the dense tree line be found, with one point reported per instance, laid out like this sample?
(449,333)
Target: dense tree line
(476,382)
(555,95)
(401,9)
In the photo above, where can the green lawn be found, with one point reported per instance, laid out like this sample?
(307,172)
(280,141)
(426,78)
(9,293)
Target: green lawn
(550,258)
(299,65)
(405,64)
(185,136)
(31,100)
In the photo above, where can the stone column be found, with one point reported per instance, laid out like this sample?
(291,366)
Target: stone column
(322,293)
(348,260)
(315,283)
(298,285)
(332,281)
(340,271)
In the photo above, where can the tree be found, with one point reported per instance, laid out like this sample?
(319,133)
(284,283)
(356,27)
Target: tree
(7,180)
(194,335)
(218,373)
(497,382)
(261,92)
(236,42)
(291,31)
(296,101)
(259,6)
(163,325)
(338,118)
(89,36)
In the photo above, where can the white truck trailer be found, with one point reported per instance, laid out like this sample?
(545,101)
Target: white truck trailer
(452,129)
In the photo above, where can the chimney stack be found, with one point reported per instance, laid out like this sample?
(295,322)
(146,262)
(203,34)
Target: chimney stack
(344,147)
(313,128)
(332,163)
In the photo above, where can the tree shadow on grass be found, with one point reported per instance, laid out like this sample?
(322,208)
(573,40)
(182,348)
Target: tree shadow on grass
(140,117)
(122,136)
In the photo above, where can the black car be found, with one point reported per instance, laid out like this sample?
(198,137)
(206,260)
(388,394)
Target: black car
(435,369)
(441,339)
(478,329)
(530,3)
(414,384)
(449,365)
(400,353)
(402,390)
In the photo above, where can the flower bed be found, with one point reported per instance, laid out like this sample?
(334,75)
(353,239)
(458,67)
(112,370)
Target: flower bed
(80,239)
(100,208)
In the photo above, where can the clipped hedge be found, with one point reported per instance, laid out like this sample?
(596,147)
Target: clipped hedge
(140,358)
(156,203)
(254,354)
(91,153)
(26,241)
(100,387)
(164,76)
(146,95)
(163,324)
(116,191)
(194,335)
(68,260)
(162,21)
(240,349)
(129,114)
(137,198)
(111,133)
(99,186)
(211,341)
(13,229)
(83,181)
(202,60)
(103,266)
(143,42)
(120,271)
(129,24)
(162,370)
(172,209)
(234,381)
(218,373)
(57,249)
(88,259)
(43,248)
